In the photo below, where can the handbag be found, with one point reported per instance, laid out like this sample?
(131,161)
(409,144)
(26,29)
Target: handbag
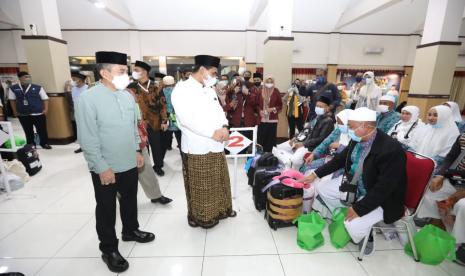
(309,231)
(337,231)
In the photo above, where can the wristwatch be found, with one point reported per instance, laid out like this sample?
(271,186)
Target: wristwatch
(139,151)
(226,126)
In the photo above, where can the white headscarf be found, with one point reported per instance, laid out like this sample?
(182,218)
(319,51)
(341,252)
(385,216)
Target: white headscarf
(344,117)
(402,128)
(433,141)
(455,111)
(371,92)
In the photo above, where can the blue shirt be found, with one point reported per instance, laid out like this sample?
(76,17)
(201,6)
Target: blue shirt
(386,121)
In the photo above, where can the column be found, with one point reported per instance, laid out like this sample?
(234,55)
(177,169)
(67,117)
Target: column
(405,84)
(436,56)
(278,46)
(332,73)
(47,61)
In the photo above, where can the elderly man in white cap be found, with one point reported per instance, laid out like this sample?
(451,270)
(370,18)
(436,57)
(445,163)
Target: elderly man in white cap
(387,117)
(374,179)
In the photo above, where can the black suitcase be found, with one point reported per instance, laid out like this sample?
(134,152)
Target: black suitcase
(284,204)
(30,158)
(266,160)
(262,177)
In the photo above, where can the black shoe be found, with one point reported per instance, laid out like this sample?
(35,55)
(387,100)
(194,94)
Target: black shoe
(46,146)
(170,148)
(162,200)
(159,171)
(460,255)
(115,262)
(139,236)
(79,150)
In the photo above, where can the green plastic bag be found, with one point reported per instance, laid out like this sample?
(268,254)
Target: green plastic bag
(309,230)
(337,231)
(433,244)
(19,141)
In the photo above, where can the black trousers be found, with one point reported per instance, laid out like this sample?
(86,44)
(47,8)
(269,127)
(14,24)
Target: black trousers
(293,123)
(157,146)
(267,135)
(40,123)
(169,138)
(105,211)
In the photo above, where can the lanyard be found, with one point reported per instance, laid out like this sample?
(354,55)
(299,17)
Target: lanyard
(27,89)
(143,88)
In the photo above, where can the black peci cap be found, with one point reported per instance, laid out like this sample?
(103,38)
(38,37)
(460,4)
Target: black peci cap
(206,60)
(143,65)
(111,58)
(22,74)
(78,75)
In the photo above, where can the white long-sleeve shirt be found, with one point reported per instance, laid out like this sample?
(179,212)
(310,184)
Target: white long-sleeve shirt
(199,114)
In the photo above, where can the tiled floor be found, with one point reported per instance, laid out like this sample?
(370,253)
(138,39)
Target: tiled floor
(54,234)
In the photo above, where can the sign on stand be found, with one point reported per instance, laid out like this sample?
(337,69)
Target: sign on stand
(237,143)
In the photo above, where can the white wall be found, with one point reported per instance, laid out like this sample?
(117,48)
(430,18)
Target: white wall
(309,48)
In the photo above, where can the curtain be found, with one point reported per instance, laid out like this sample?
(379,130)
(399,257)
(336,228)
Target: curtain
(457,90)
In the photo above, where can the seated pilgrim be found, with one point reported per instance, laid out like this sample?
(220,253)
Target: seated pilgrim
(444,202)
(373,182)
(407,126)
(387,117)
(310,137)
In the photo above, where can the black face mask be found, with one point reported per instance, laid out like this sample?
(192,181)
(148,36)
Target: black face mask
(257,83)
(246,78)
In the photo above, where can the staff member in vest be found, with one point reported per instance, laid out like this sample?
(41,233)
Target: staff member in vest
(204,130)
(30,104)
(152,104)
(375,164)
(106,117)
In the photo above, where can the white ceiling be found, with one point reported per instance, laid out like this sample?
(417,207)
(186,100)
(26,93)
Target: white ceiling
(404,17)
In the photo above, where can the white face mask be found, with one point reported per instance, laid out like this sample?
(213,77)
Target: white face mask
(73,83)
(339,87)
(382,108)
(121,82)
(319,110)
(136,75)
(269,85)
(209,81)
(368,80)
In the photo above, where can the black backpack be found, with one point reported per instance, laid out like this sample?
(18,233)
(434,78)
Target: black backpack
(30,158)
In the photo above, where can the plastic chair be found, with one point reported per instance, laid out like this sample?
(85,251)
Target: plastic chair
(420,170)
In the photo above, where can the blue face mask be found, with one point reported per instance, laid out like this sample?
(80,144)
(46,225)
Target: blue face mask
(353,136)
(320,80)
(343,128)
(436,125)
(358,79)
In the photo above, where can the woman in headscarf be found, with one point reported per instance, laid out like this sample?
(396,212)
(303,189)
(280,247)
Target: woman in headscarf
(408,125)
(270,104)
(437,137)
(294,110)
(456,114)
(369,93)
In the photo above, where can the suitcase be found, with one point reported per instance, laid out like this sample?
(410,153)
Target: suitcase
(283,206)
(267,159)
(30,159)
(262,177)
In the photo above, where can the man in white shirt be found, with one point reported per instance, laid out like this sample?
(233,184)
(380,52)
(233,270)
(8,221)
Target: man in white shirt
(30,104)
(78,85)
(204,130)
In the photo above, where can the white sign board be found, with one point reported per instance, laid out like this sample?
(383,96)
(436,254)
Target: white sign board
(237,142)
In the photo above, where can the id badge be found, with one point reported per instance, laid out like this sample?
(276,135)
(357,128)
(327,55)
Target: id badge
(25,102)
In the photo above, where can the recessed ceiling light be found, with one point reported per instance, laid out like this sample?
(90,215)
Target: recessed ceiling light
(99,4)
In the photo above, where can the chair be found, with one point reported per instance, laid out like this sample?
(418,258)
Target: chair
(420,170)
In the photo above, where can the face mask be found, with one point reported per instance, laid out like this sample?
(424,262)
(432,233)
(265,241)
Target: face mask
(224,82)
(269,85)
(353,136)
(320,80)
(319,110)
(121,82)
(343,128)
(73,83)
(382,108)
(339,87)
(209,81)
(257,83)
(368,80)
(246,78)
(436,125)
(136,75)
(26,81)
(358,79)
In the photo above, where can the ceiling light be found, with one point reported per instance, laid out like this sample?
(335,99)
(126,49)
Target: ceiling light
(99,4)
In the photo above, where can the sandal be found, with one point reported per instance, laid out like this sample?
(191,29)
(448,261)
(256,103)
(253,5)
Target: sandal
(232,214)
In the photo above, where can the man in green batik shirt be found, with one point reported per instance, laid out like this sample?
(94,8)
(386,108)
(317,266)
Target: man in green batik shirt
(107,132)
